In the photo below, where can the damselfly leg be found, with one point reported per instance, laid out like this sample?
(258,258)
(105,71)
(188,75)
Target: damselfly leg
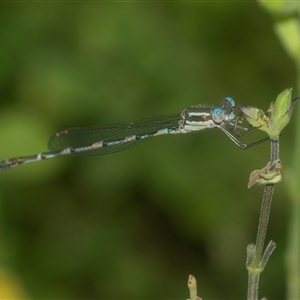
(241,132)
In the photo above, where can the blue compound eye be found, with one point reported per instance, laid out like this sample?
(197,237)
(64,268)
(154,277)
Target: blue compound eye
(232,116)
(218,115)
(230,101)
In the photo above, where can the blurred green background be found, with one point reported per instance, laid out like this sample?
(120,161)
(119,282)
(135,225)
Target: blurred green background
(135,224)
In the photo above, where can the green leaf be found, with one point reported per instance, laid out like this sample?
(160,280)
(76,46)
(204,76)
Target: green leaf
(277,116)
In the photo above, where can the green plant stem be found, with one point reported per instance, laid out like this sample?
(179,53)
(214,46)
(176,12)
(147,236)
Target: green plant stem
(287,24)
(253,284)
(263,222)
(265,208)
(256,267)
(257,259)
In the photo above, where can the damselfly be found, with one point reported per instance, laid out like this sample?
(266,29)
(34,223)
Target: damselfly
(98,140)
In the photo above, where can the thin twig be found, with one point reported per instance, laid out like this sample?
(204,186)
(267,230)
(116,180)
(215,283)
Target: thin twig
(256,264)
